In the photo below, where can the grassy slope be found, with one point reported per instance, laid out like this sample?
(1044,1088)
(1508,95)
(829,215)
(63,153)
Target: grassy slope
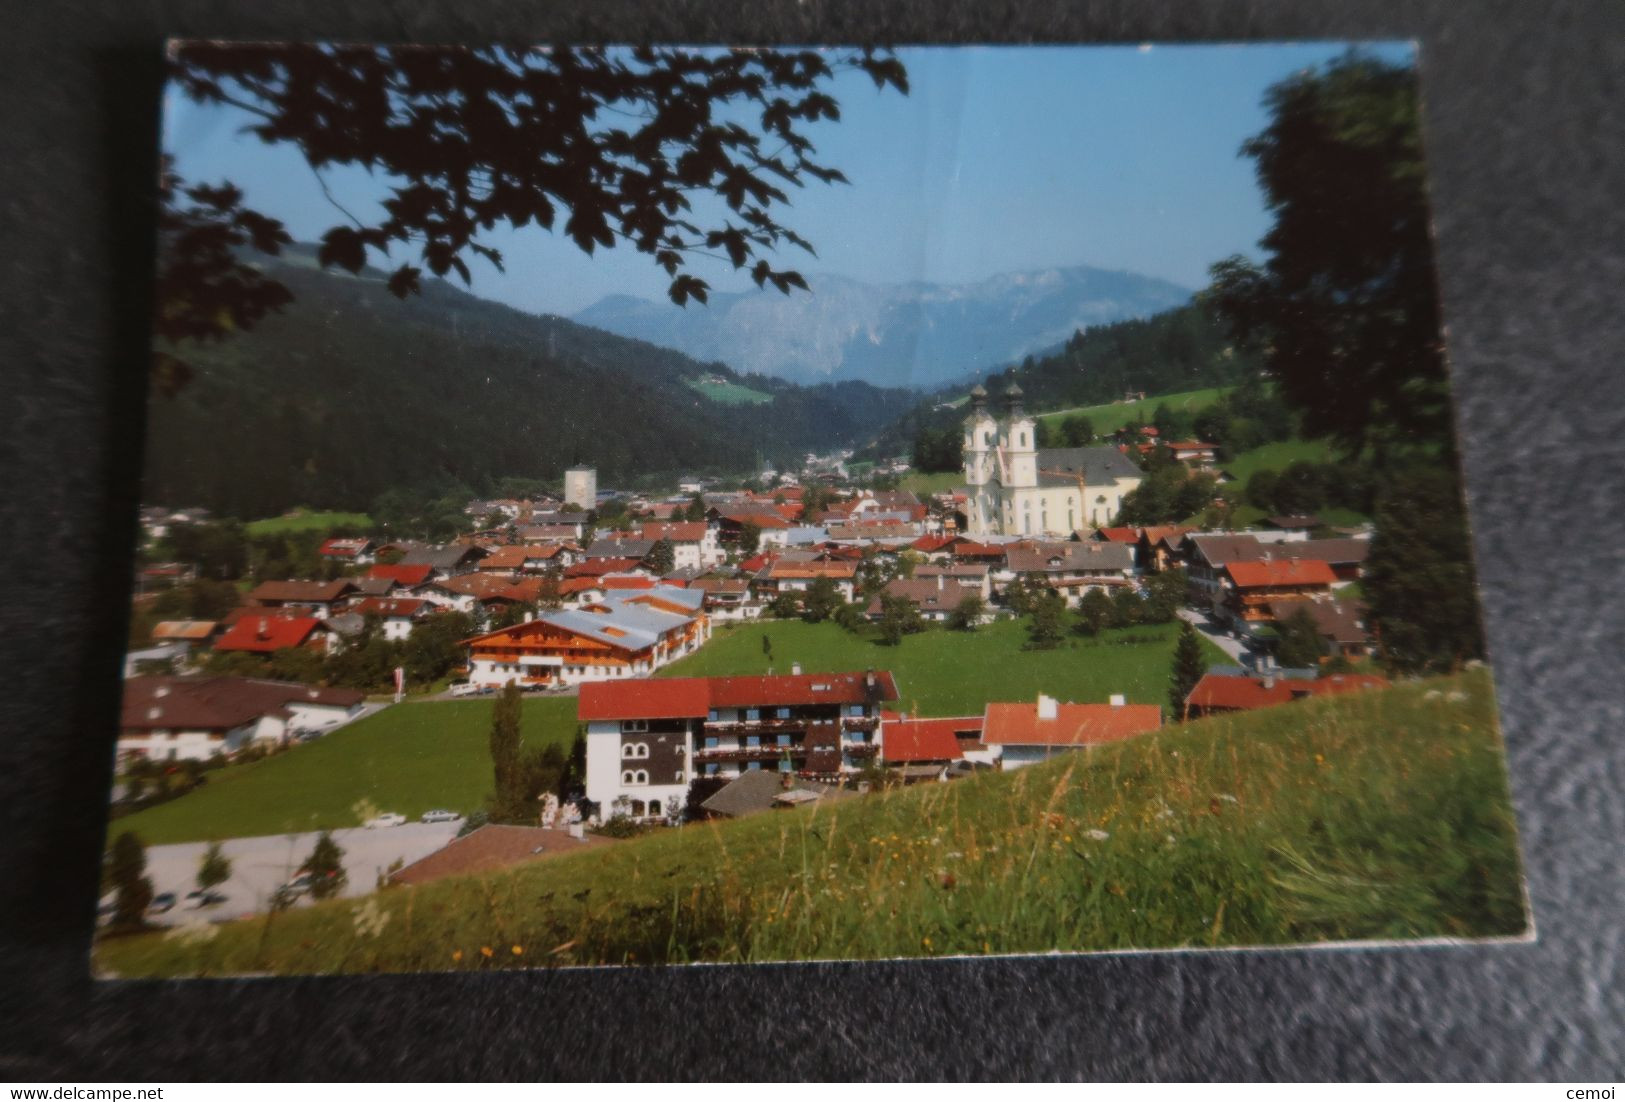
(730,394)
(408,758)
(1112,416)
(956,673)
(305,522)
(1384,815)
(925,483)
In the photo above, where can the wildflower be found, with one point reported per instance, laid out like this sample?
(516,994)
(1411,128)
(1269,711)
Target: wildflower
(925,941)
(1066,837)
(1227,798)
(987,947)
(1096,835)
(518,951)
(370,920)
(485,951)
(457,954)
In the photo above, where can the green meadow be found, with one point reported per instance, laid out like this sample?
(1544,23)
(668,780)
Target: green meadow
(730,394)
(1111,416)
(301,521)
(1383,814)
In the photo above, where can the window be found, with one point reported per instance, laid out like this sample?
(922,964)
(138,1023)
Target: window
(642,776)
(637,807)
(781,713)
(784,740)
(711,742)
(654,807)
(753,740)
(752,715)
(753,766)
(855,710)
(711,769)
(626,777)
(711,715)
(784,766)
(627,751)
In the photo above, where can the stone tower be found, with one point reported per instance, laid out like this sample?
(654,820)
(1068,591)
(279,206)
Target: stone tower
(581,487)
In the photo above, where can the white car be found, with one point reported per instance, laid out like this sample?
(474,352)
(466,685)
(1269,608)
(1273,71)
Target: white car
(439,815)
(387,819)
(465,688)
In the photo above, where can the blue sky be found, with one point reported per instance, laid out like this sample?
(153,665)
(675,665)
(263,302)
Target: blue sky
(1000,159)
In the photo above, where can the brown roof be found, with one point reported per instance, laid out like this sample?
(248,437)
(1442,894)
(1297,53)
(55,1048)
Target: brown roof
(685,532)
(298,591)
(217,703)
(1219,550)
(190,630)
(1339,621)
(1233,692)
(495,846)
(1339,552)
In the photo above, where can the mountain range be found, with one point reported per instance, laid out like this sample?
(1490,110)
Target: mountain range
(350,392)
(919,335)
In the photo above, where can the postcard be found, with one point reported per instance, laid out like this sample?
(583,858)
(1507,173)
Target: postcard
(645,506)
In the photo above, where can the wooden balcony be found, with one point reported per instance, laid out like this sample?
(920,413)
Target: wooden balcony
(750,753)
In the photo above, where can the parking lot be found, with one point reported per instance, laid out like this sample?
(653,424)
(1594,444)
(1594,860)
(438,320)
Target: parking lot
(260,865)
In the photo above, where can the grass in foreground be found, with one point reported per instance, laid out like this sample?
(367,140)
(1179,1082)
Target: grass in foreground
(953,672)
(301,521)
(1382,815)
(407,758)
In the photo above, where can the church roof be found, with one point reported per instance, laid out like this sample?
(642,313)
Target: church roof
(1099,466)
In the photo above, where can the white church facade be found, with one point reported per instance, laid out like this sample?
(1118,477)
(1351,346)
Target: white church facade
(1014,488)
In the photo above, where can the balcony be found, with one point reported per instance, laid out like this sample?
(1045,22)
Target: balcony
(749,753)
(860,723)
(860,750)
(758,726)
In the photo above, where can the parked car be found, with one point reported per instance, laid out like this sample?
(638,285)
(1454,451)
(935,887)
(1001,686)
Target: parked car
(202,898)
(299,885)
(464,688)
(387,819)
(439,815)
(161,903)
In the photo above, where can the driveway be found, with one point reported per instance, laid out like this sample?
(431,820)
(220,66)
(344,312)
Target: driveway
(260,865)
(1218,636)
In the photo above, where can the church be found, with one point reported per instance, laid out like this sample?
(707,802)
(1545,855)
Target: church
(1014,488)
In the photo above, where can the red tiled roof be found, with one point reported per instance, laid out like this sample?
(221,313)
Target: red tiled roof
(390,606)
(1009,724)
(1119,535)
(913,740)
(627,581)
(648,698)
(836,570)
(505,558)
(264,634)
(805,688)
(761,520)
(596,568)
(403,575)
(930,544)
(1233,692)
(571,586)
(756,562)
(341,548)
(692,531)
(1276,572)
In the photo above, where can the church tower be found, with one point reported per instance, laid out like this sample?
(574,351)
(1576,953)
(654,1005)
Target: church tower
(981,465)
(1019,446)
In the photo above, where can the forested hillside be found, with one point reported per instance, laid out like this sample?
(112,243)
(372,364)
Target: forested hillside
(351,392)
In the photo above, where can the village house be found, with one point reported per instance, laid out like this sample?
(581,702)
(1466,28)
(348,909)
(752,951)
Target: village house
(1340,625)
(934,599)
(788,576)
(968,577)
(622,636)
(1022,734)
(318,598)
(1232,690)
(445,560)
(1346,556)
(271,631)
(181,718)
(728,598)
(348,551)
(405,577)
(928,749)
(647,741)
(694,544)
(1072,568)
(398,615)
(1207,554)
(1249,588)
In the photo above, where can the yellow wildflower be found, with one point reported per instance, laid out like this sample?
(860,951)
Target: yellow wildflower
(485,951)
(518,951)
(457,955)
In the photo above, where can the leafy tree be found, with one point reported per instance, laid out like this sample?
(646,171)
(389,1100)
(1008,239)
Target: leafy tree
(899,616)
(1021,591)
(1046,627)
(435,646)
(874,574)
(448,123)
(508,802)
(1299,646)
(662,558)
(1165,595)
(549,598)
(127,872)
(1077,431)
(850,617)
(1419,582)
(575,773)
(785,606)
(1188,667)
(696,508)
(1128,609)
(1095,612)
(767,646)
(218,550)
(750,538)
(1300,489)
(213,868)
(325,867)
(968,613)
(1260,490)
(1344,304)
(823,598)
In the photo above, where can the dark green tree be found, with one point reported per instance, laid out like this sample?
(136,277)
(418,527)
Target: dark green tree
(1046,626)
(1260,490)
(1188,667)
(508,802)
(1128,608)
(1299,646)
(785,606)
(822,599)
(1095,613)
(750,538)
(213,868)
(127,872)
(899,616)
(661,559)
(1165,595)
(325,867)
(968,613)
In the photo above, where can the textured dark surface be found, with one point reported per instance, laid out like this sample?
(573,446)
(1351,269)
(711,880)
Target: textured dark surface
(1526,129)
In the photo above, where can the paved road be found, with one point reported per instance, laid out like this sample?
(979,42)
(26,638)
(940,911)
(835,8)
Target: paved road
(1215,634)
(260,865)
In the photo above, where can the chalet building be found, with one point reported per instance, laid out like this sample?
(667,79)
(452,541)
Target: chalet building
(179,718)
(694,544)
(1158,547)
(618,550)
(1340,625)
(785,576)
(522,559)
(1232,690)
(1206,555)
(470,593)
(1192,453)
(556,524)
(620,637)
(406,577)
(1345,556)
(731,521)
(352,552)
(1021,734)
(318,598)
(968,577)
(1073,568)
(270,632)
(648,740)
(1250,588)
(446,560)
(1015,488)
(728,598)
(928,749)
(934,598)
(399,615)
